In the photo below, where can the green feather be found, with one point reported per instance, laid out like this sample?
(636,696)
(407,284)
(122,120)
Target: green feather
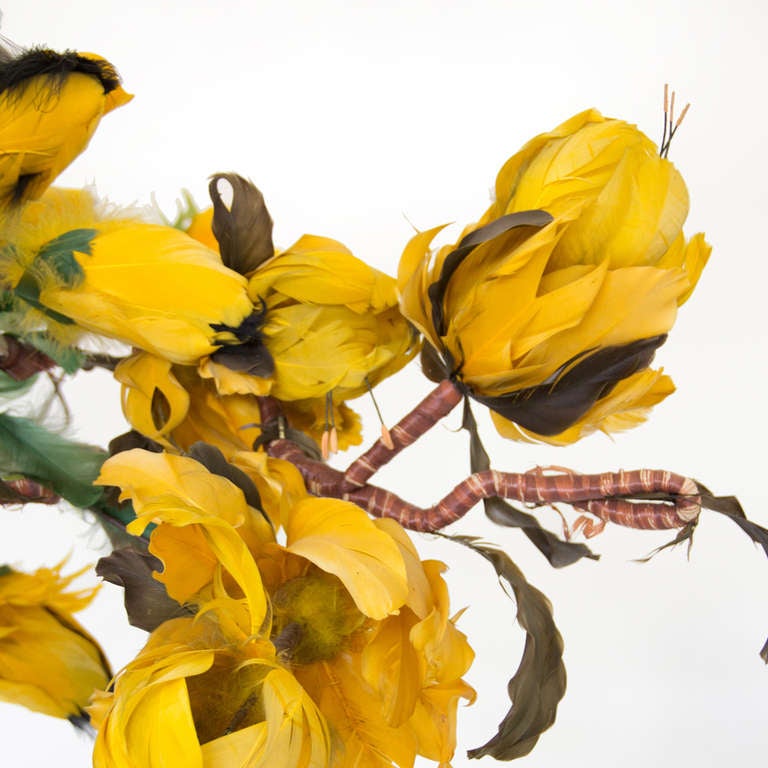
(69,359)
(66,467)
(59,255)
(10,387)
(28,289)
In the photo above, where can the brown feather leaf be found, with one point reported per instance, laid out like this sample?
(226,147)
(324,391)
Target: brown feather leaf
(147,604)
(539,683)
(244,229)
(558,403)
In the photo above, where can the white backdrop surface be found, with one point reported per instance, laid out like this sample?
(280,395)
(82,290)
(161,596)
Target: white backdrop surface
(356,119)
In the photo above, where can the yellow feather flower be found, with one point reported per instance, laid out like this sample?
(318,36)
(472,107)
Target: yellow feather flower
(628,203)
(194,697)
(355,660)
(50,106)
(72,267)
(332,322)
(203,519)
(48,662)
(565,287)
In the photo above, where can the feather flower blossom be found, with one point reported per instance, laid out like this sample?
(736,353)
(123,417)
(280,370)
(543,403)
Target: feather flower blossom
(550,309)
(333,649)
(72,266)
(174,406)
(331,323)
(48,662)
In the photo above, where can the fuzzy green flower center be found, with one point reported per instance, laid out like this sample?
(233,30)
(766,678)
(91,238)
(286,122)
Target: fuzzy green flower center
(314,615)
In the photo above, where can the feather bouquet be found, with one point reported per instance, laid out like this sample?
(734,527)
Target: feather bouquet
(291,619)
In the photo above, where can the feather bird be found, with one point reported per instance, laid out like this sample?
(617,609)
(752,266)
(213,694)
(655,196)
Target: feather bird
(50,106)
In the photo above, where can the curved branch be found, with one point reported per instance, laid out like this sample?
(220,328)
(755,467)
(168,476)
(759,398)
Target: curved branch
(649,499)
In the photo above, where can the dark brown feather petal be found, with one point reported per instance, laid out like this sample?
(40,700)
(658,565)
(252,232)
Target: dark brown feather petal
(215,462)
(558,403)
(146,601)
(534,219)
(252,358)
(432,364)
(244,229)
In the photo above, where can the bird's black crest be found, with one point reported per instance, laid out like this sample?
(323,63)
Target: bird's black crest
(16,72)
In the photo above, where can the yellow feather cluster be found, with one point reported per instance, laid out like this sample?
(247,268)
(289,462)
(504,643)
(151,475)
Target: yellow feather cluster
(332,324)
(337,644)
(127,267)
(48,662)
(610,268)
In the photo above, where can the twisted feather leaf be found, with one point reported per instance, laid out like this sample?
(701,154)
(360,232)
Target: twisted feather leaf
(147,603)
(732,509)
(539,683)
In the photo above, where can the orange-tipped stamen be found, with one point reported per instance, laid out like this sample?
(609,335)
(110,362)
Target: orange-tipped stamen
(670,124)
(386,437)
(682,115)
(324,445)
(333,441)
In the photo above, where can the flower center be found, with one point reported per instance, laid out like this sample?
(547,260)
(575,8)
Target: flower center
(313,617)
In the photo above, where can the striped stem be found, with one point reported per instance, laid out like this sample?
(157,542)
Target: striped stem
(21,361)
(437,404)
(609,496)
(270,410)
(22,490)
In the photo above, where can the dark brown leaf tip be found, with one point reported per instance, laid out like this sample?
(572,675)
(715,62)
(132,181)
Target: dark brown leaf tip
(216,463)
(146,601)
(243,228)
(556,404)
(526,222)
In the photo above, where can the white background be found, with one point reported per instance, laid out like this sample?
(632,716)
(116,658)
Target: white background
(355,119)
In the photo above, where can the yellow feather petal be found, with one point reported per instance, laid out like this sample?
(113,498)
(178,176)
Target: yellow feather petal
(339,537)
(153,401)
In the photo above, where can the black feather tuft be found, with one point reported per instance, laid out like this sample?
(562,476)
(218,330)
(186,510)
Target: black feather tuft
(251,354)
(82,722)
(15,73)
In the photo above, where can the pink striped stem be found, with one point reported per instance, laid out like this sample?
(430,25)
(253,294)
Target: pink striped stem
(23,490)
(607,495)
(21,361)
(436,405)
